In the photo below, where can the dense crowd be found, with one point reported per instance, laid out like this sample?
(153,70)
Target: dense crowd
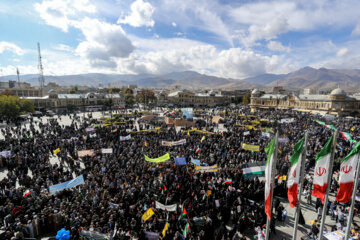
(121,186)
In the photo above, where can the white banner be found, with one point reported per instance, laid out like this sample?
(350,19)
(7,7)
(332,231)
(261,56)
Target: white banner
(169,208)
(283,140)
(246,133)
(176,143)
(125,138)
(5,153)
(106,150)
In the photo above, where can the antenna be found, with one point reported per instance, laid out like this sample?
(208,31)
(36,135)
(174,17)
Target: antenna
(41,72)
(18,76)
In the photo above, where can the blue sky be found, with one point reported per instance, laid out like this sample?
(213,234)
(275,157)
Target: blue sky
(234,39)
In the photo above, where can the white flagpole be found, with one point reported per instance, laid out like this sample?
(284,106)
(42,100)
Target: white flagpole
(302,170)
(323,216)
(351,212)
(272,186)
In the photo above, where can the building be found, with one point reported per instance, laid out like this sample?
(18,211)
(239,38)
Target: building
(188,98)
(337,102)
(67,102)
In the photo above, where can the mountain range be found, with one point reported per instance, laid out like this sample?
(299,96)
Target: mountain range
(307,77)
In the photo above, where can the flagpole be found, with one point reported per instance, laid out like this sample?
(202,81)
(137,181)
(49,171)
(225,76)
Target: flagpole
(301,177)
(351,212)
(272,185)
(323,216)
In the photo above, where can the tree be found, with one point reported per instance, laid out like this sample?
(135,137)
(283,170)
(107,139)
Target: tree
(146,96)
(114,90)
(73,90)
(129,96)
(12,106)
(108,102)
(7,92)
(246,99)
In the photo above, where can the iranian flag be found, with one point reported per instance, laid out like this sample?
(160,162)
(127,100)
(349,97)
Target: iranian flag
(325,125)
(166,112)
(197,150)
(186,230)
(321,170)
(347,136)
(270,151)
(294,173)
(347,175)
(27,193)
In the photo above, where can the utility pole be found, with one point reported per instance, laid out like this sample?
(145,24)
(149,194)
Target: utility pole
(41,72)
(18,78)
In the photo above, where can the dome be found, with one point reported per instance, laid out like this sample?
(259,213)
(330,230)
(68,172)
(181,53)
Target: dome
(255,91)
(337,91)
(212,93)
(52,91)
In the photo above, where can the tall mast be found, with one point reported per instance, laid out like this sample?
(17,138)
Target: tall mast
(18,76)
(41,73)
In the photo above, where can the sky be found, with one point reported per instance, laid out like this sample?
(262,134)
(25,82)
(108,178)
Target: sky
(225,38)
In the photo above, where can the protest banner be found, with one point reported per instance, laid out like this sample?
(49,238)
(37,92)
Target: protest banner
(163,158)
(90,129)
(84,153)
(5,153)
(169,208)
(173,143)
(66,185)
(125,138)
(106,150)
(180,161)
(250,147)
(202,169)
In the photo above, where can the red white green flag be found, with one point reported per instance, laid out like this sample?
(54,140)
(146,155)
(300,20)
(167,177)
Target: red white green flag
(27,193)
(270,151)
(347,175)
(293,178)
(347,136)
(186,230)
(321,170)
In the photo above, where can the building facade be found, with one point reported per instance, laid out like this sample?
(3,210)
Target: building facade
(338,102)
(66,102)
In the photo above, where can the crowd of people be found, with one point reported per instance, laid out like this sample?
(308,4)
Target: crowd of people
(121,186)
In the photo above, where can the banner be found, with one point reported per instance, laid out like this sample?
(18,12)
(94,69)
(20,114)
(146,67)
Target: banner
(201,169)
(94,235)
(5,153)
(196,162)
(246,133)
(283,140)
(106,150)
(187,113)
(180,161)
(66,185)
(84,153)
(92,135)
(173,143)
(169,208)
(250,147)
(163,158)
(265,134)
(199,131)
(152,235)
(89,129)
(125,138)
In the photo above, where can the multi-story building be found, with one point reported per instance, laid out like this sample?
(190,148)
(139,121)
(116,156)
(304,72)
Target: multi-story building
(337,102)
(62,102)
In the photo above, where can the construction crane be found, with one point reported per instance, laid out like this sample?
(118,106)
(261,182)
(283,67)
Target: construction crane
(41,73)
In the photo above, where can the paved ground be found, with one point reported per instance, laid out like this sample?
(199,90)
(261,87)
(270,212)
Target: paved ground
(284,231)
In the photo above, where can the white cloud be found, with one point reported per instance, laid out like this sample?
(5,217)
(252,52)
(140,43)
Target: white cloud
(104,43)
(356,30)
(6,46)
(277,46)
(266,20)
(173,24)
(342,52)
(141,15)
(62,13)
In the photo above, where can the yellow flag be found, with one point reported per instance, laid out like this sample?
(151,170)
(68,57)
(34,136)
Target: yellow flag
(103,195)
(188,133)
(56,151)
(208,192)
(202,139)
(165,229)
(147,214)
(283,178)
(145,144)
